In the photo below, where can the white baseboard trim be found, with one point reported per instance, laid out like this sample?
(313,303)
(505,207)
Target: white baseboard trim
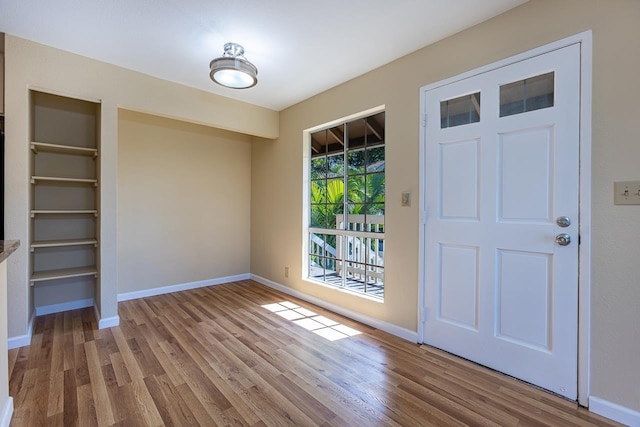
(367,320)
(65,306)
(7,412)
(181,287)
(107,322)
(614,411)
(22,340)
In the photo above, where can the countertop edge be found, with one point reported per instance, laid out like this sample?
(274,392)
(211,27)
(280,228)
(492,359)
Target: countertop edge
(7,247)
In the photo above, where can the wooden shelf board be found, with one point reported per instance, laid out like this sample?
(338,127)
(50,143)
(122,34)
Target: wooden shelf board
(41,276)
(61,179)
(62,242)
(63,211)
(64,149)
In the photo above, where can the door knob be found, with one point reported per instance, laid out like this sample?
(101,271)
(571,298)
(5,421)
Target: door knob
(563,239)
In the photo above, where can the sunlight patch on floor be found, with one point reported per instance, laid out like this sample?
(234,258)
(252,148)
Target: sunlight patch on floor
(311,321)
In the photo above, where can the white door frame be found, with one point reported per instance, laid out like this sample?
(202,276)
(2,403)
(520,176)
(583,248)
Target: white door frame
(584,251)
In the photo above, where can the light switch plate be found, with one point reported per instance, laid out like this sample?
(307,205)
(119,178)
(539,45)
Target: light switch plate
(406,199)
(626,192)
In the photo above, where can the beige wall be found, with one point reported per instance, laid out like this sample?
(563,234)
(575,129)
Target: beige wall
(183,202)
(30,65)
(277,171)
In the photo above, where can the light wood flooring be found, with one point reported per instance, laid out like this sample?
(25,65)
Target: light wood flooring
(242,354)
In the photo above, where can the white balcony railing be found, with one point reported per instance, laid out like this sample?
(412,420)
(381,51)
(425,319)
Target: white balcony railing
(352,255)
(364,250)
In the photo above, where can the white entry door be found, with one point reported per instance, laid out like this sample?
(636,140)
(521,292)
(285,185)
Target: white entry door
(501,236)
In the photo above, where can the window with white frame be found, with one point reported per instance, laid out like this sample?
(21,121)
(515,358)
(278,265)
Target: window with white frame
(345,205)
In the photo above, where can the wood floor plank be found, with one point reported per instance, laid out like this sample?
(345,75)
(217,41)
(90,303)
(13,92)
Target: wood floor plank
(57,354)
(195,406)
(55,400)
(17,369)
(170,407)
(80,365)
(78,330)
(201,387)
(128,411)
(119,369)
(70,400)
(145,405)
(56,420)
(99,390)
(168,367)
(106,346)
(68,349)
(134,370)
(12,359)
(87,415)
(229,355)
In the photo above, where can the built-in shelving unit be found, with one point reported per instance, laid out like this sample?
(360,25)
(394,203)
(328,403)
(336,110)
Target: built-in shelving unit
(64,209)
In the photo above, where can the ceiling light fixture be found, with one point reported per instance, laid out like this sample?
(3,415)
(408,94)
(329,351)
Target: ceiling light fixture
(232,69)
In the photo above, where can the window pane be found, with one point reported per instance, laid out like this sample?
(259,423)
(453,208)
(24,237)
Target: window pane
(512,99)
(355,209)
(322,246)
(335,139)
(318,167)
(375,129)
(525,95)
(318,191)
(333,212)
(356,162)
(375,188)
(377,248)
(335,165)
(318,217)
(356,189)
(374,222)
(460,111)
(375,159)
(356,131)
(319,143)
(316,244)
(340,224)
(335,191)
(539,91)
(376,209)
(330,245)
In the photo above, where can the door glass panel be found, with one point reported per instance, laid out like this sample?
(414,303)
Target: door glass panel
(525,95)
(460,111)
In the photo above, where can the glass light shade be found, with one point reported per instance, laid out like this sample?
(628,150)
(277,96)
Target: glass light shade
(233,72)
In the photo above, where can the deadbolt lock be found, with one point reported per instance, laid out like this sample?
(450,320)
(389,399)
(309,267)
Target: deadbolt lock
(563,221)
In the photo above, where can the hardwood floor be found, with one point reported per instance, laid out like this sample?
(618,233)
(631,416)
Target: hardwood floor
(232,355)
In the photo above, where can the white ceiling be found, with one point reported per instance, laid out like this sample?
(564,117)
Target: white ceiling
(301,47)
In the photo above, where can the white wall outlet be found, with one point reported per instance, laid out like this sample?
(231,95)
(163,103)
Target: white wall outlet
(626,192)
